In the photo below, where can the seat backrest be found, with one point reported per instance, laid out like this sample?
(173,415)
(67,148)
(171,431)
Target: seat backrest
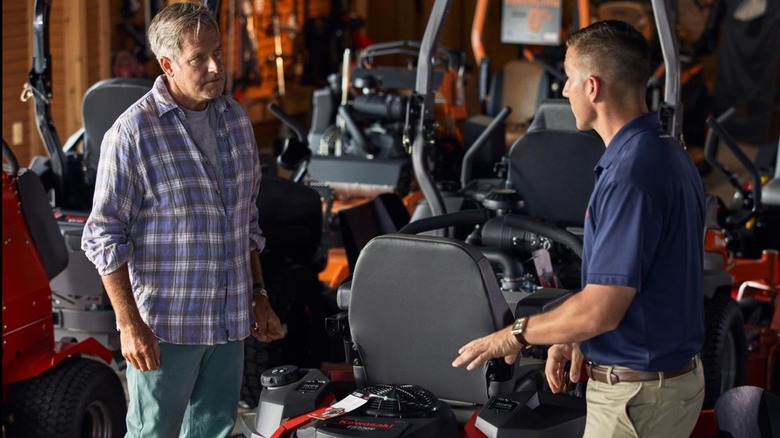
(519,85)
(748,411)
(40,222)
(384,214)
(414,301)
(103,103)
(551,166)
(554,114)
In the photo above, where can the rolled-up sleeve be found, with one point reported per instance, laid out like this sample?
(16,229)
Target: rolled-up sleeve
(116,203)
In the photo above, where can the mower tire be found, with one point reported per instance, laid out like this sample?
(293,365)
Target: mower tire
(78,398)
(724,355)
(257,359)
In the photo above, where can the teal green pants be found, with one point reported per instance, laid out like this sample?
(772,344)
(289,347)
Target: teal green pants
(194,393)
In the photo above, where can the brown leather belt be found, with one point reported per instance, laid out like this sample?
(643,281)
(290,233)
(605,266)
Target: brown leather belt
(599,373)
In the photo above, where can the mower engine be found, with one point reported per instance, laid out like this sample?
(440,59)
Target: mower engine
(407,411)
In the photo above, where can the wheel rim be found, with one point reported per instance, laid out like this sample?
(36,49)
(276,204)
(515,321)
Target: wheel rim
(729,363)
(97,421)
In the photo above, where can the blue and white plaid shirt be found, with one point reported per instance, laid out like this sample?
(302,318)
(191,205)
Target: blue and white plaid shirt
(158,208)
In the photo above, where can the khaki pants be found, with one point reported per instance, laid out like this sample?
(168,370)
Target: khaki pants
(665,408)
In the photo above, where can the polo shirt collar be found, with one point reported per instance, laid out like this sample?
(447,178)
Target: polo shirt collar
(620,141)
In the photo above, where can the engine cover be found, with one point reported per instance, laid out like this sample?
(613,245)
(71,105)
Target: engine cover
(392,411)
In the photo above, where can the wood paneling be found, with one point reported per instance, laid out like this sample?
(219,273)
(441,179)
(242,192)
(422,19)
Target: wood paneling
(17,59)
(79,57)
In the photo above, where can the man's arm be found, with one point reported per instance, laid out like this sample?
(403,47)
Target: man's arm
(595,310)
(139,345)
(267,325)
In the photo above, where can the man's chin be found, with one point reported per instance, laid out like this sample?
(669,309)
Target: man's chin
(217,86)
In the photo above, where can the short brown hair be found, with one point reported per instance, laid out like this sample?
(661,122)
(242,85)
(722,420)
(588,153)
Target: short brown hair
(615,49)
(173,21)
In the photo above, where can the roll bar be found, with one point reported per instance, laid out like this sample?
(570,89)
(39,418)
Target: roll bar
(671,108)
(40,88)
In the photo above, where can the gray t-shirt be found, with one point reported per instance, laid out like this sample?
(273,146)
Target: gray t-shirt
(203,130)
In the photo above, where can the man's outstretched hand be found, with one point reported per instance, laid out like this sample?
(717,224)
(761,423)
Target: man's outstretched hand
(499,344)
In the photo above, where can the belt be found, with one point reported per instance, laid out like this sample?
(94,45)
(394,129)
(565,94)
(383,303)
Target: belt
(599,373)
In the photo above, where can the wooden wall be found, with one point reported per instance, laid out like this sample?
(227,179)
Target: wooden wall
(79,58)
(84,34)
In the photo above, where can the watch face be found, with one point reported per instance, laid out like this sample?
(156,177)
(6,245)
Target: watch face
(518,325)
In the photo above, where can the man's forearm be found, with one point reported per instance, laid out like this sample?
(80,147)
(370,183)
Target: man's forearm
(120,292)
(257,267)
(591,312)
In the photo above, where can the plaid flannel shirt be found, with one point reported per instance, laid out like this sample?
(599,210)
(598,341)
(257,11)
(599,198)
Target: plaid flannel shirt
(158,208)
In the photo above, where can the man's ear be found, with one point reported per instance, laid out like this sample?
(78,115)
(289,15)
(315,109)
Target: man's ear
(166,65)
(594,87)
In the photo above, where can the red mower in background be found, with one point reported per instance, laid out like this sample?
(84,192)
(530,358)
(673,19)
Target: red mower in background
(50,388)
(745,234)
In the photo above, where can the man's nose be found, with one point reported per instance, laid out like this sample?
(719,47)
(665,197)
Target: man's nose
(215,64)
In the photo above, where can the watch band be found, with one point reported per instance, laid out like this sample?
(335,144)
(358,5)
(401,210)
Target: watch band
(521,337)
(518,330)
(259,290)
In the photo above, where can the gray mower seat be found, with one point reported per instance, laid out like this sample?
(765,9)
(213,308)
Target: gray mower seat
(384,214)
(413,302)
(770,195)
(103,103)
(551,166)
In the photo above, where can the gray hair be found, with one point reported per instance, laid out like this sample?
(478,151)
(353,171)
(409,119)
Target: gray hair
(172,22)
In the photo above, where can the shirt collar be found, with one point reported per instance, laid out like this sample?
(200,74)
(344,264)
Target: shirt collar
(644,122)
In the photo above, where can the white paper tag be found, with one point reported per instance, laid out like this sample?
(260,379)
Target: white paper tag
(343,406)
(544,268)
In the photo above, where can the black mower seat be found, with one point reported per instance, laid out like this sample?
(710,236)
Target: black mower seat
(551,166)
(41,224)
(747,412)
(413,302)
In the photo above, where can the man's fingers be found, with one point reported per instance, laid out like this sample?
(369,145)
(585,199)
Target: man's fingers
(553,379)
(132,360)
(466,355)
(150,364)
(575,370)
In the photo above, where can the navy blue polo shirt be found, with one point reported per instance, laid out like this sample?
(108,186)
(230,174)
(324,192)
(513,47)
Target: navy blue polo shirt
(644,228)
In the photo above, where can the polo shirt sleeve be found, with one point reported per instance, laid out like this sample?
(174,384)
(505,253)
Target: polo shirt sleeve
(627,230)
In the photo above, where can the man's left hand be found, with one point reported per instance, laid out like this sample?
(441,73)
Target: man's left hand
(499,344)
(267,325)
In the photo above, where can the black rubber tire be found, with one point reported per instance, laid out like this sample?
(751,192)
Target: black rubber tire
(724,355)
(257,359)
(79,398)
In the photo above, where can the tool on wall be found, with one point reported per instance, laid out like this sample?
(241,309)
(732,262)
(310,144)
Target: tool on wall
(243,46)
(276,30)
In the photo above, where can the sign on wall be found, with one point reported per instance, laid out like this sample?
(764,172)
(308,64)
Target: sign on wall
(531,22)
